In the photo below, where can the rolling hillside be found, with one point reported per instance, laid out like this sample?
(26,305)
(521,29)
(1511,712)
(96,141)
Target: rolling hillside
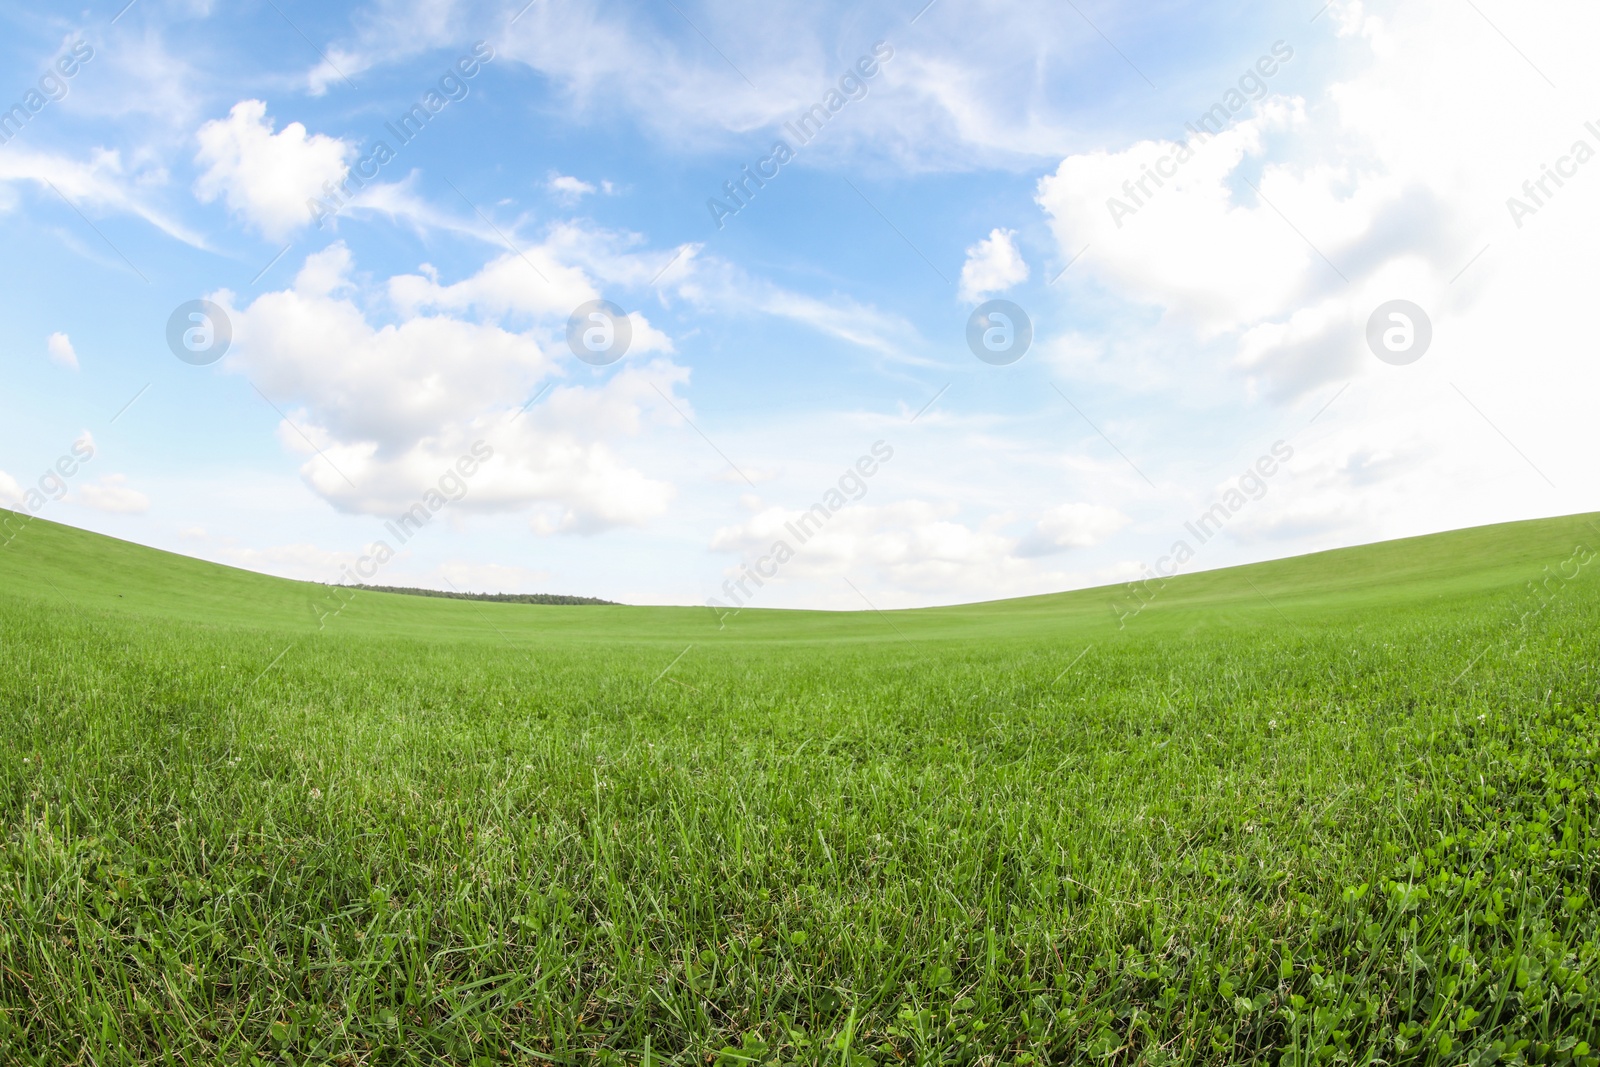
(98,573)
(1343,808)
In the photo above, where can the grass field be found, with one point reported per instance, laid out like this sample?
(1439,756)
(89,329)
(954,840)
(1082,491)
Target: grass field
(1334,809)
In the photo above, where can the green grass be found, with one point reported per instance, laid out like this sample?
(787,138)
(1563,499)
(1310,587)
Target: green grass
(1333,809)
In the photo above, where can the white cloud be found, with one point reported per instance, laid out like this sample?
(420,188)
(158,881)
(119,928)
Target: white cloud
(113,494)
(1070,526)
(916,546)
(61,353)
(966,96)
(993,265)
(1281,234)
(266,177)
(10,490)
(400,202)
(1192,247)
(913,541)
(841,317)
(569,187)
(102,182)
(393,407)
(714,285)
(568,267)
(389,31)
(388,386)
(532,285)
(744,476)
(145,82)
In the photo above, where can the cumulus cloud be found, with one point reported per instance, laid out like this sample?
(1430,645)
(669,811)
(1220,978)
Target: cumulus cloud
(1277,237)
(383,409)
(266,177)
(113,494)
(1192,247)
(993,265)
(61,352)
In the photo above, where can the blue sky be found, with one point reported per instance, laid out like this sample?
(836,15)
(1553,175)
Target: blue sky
(1358,155)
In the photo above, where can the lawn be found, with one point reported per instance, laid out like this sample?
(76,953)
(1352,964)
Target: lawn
(1330,809)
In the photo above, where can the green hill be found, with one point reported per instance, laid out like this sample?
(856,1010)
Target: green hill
(98,573)
(1340,808)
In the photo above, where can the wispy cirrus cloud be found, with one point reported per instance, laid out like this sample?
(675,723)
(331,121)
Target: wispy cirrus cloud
(100,183)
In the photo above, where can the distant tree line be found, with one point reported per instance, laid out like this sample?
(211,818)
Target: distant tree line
(498,598)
